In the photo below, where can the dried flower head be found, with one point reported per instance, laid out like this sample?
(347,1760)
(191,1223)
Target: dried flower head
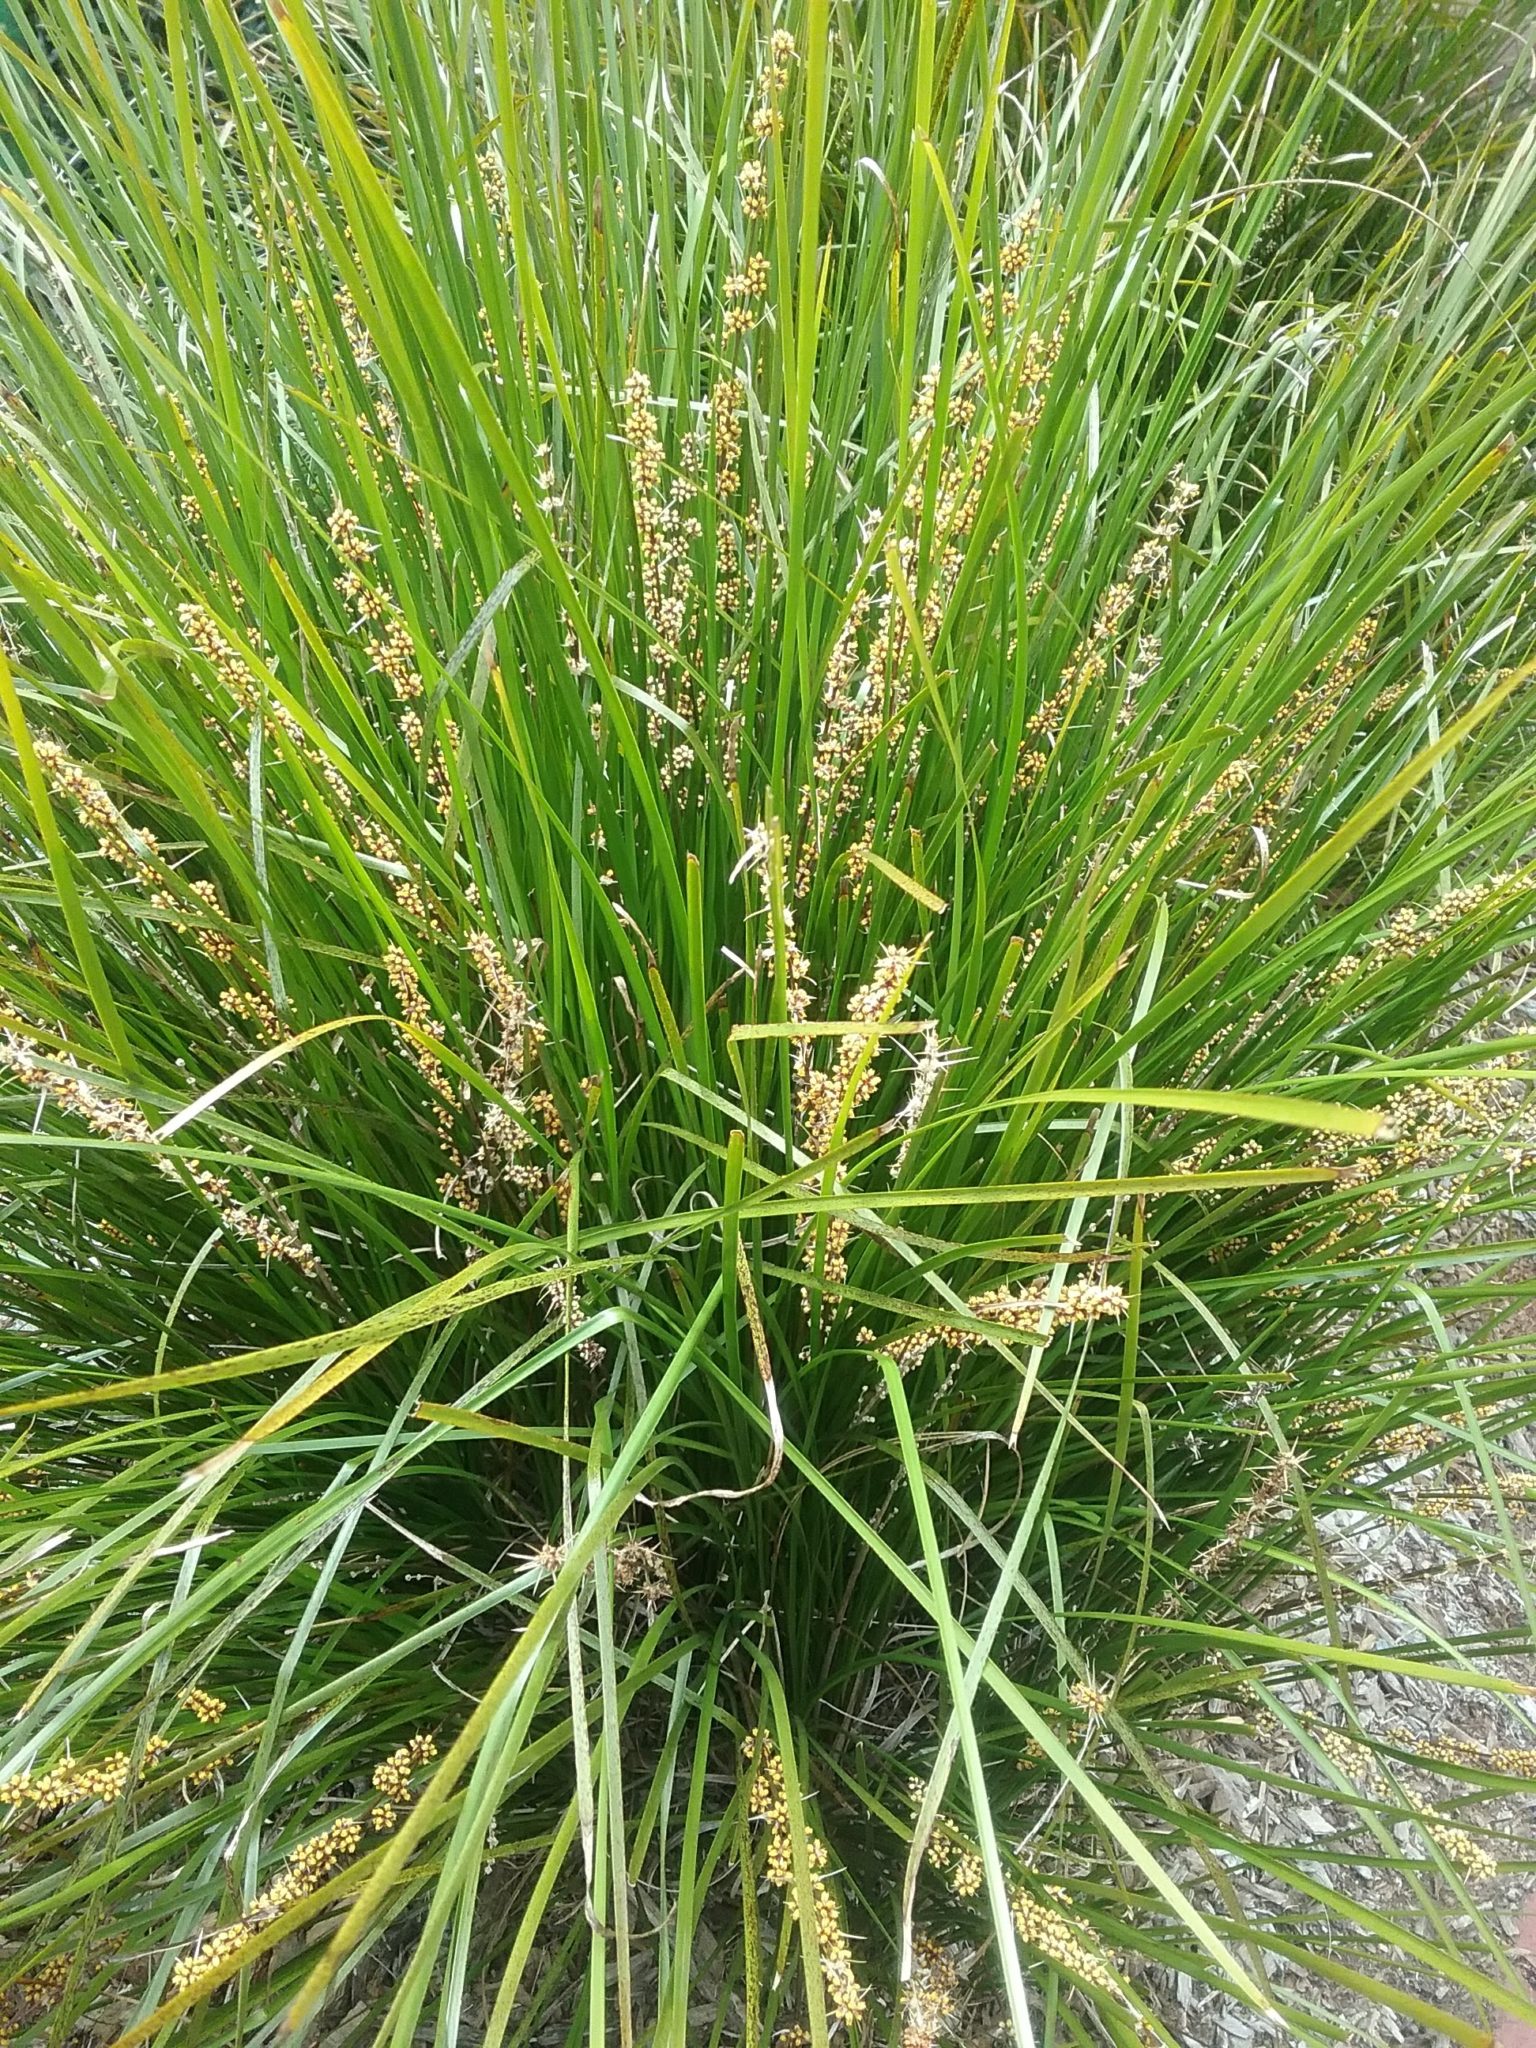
(1029,1312)
(640,1570)
(930,2002)
(1089,1697)
(769,1800)
(109,1117)
(308,1866)
(134,850)
(392,1777)
(1045,1924)
(752,179)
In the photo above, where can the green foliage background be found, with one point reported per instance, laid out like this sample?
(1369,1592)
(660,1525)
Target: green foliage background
(1107,646)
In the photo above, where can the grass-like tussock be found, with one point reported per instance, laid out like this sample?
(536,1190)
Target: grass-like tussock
(765,817)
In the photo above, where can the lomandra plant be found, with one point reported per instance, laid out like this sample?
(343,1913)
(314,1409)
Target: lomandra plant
(765,827)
